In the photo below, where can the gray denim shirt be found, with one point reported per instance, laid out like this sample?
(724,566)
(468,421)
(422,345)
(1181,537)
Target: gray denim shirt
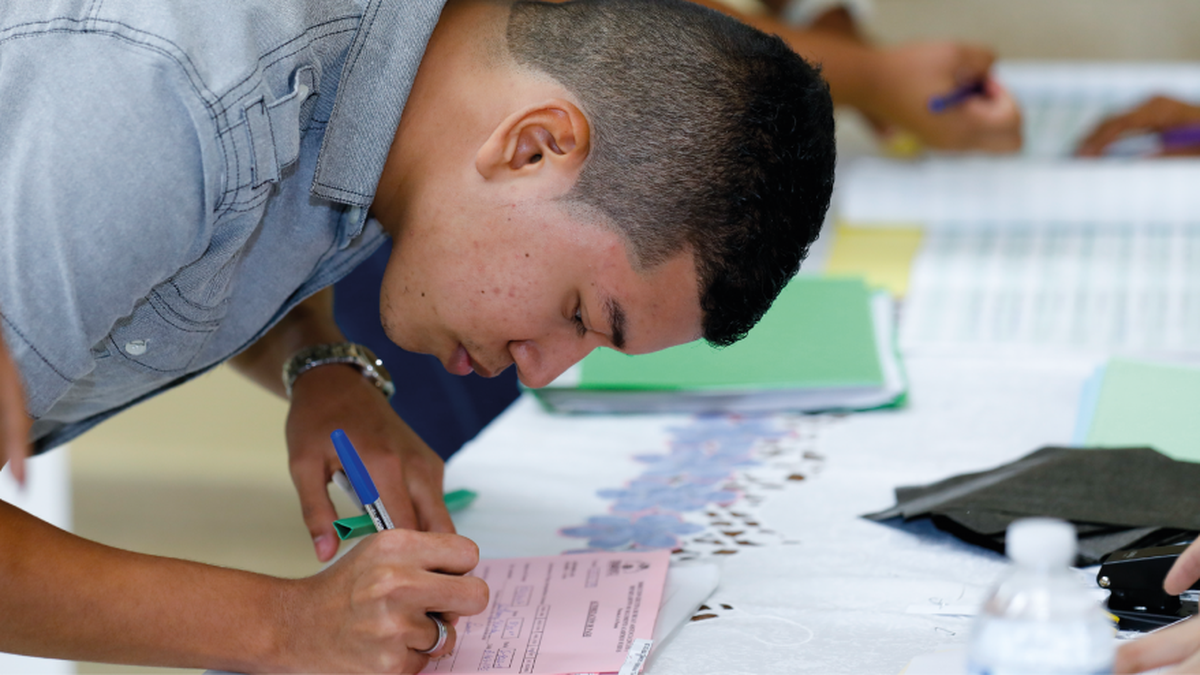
(176,175)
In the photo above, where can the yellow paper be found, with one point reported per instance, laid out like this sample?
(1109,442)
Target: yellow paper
(901,145)
(881,255)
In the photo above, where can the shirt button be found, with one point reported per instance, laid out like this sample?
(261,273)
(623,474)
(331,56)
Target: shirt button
(135,347)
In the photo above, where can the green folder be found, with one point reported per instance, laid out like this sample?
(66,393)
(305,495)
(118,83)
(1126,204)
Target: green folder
(1134,403)
(825,344)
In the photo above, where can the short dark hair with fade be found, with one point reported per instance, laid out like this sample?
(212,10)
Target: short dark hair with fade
(706,134)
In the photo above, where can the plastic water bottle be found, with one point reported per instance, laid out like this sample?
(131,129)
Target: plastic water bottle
(1040,617)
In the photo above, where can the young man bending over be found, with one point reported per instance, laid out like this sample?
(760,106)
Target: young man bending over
(179,182)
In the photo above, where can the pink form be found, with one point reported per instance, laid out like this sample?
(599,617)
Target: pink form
(575,613)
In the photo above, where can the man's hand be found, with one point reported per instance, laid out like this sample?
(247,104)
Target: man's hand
(1185,571)
(407,473)
(1157,114)
(901,81)
(368,611)
(1178,645)
(14,423)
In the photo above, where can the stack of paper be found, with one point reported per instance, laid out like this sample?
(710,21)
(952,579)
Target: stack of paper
(1045,250)
(1138,403)
(826,344)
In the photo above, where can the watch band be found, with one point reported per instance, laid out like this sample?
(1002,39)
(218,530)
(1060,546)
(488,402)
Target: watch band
(342,352)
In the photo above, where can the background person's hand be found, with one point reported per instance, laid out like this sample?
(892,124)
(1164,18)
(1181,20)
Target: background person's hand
(407,473)
(14,423)
(1155,115)
(368,612)
(1178,645)
(904,79)
(1185,571)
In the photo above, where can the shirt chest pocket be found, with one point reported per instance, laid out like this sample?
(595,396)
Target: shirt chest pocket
(165,332)
(266,142)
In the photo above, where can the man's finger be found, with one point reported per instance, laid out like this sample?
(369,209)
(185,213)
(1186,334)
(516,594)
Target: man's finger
(973,63)
(1110,130)
(444,555)
(429,501)
(388,473)
(15,447)
(311,478)
(1185,571)
(432,514)
(1189,665)
(445,647)
(1156,650)
(453,595)
(14,423)
(996,118)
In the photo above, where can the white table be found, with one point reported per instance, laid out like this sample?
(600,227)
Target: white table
(818,589)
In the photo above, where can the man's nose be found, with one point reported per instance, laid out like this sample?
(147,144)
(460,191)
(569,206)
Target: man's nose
(539,362)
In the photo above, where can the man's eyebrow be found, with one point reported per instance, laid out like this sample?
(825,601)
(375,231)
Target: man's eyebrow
(616,321)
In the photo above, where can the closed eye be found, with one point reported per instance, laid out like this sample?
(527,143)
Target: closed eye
(578,319)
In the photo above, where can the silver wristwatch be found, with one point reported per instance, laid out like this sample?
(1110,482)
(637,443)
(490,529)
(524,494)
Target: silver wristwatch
(342,352)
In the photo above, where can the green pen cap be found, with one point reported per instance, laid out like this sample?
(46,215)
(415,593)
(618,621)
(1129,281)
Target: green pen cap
(357,526)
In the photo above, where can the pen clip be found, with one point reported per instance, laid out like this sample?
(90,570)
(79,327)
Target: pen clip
(340,480)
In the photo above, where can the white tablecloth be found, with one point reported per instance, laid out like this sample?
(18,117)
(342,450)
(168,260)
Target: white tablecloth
(811,587)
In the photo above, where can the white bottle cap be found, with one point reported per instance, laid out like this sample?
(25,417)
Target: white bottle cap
(1041,542)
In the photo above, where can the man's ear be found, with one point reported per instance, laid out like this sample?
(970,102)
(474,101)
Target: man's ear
(551,135)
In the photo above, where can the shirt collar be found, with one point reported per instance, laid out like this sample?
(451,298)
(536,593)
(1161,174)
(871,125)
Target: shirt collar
(376,79)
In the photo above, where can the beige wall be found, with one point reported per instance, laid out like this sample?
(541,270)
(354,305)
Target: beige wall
(1050,29)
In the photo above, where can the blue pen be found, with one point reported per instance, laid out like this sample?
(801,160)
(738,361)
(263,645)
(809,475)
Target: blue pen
(944,102)
(361,481)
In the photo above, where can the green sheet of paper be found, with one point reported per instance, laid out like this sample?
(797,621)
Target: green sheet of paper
(1149,404)
(826,344)
(818,333)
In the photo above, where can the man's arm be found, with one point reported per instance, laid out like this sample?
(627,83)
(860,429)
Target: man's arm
(309,323)
(892,86)
(407,472)
(62,596)
(65,597)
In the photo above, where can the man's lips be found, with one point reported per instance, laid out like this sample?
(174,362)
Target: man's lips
(461,363)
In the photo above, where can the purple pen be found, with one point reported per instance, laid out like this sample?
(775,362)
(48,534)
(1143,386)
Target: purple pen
(1181,137)
(944,102)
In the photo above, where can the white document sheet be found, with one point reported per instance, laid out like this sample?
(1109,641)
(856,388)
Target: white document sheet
(1132,290)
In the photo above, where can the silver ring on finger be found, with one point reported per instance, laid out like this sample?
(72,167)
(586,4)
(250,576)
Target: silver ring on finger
(441,638)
